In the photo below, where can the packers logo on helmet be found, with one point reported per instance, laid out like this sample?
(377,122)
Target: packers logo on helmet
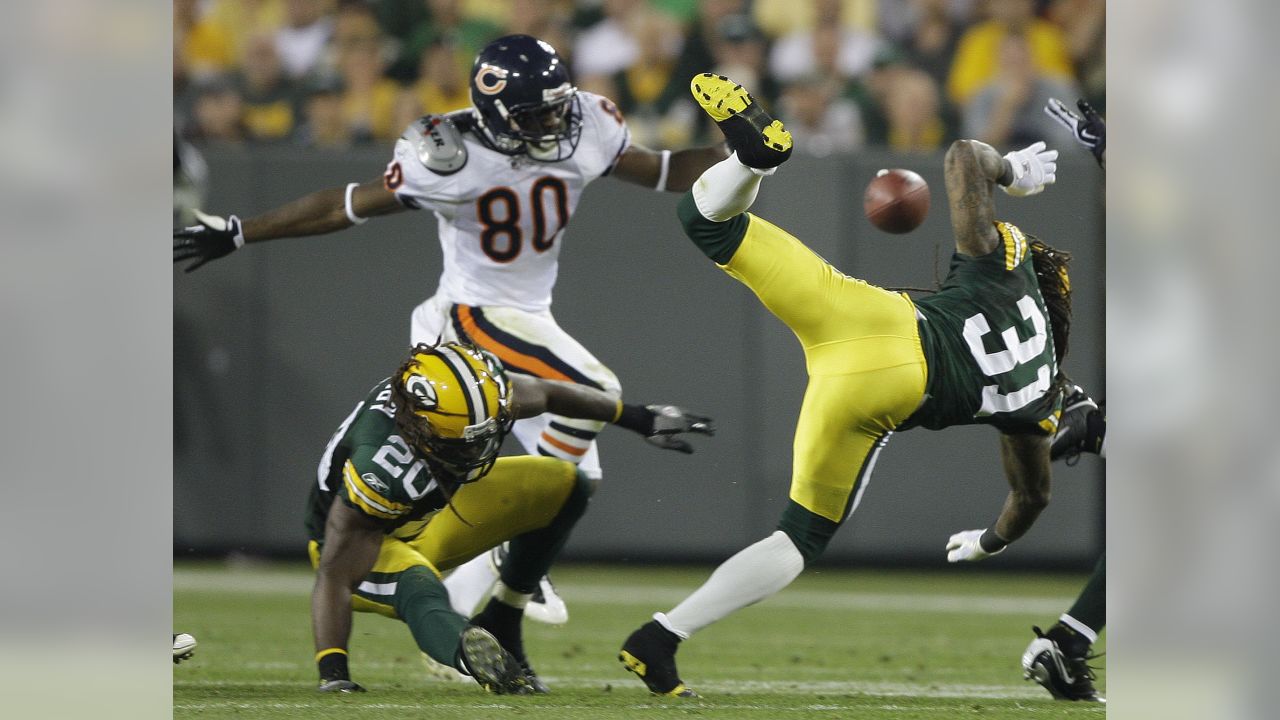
(453,405)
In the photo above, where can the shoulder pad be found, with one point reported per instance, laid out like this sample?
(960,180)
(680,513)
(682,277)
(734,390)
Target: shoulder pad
(438,142)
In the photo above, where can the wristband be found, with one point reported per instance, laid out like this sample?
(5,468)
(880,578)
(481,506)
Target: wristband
(991,542)
(1006,173)
(346,206)
(637,418)
(332,663)
(662,174)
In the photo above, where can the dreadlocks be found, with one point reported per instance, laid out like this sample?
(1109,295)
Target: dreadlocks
(415,433)
(1055,287)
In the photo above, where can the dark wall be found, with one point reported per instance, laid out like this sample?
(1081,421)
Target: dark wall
(275,344)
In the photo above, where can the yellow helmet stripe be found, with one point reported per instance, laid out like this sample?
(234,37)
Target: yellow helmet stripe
(469,383)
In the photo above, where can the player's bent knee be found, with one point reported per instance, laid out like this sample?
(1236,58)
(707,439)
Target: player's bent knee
(417,586)
(809,532)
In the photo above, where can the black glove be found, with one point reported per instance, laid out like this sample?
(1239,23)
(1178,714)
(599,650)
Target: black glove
(213,238)
(340,686)
(660,424)
(1088,126)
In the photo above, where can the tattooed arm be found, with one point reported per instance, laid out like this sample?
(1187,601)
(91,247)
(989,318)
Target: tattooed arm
(972,170)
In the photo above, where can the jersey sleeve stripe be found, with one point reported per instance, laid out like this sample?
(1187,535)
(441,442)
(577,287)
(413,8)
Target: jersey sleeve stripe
(519,355)
(363,497)
(1015,244)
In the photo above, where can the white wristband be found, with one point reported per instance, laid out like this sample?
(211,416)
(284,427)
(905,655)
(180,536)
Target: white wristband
(346,205)
(662,174)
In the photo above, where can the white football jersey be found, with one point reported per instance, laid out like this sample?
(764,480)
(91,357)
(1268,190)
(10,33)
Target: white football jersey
(502,218)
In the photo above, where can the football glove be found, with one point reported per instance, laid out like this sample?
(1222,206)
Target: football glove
(1088,126)
(340,686)
(966,545)
(670,421)
(213,238)
(1033,167)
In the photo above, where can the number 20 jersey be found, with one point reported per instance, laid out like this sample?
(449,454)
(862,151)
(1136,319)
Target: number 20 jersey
(501,218)
(988,344)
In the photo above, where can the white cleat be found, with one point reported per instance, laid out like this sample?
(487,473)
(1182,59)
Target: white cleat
(184,646)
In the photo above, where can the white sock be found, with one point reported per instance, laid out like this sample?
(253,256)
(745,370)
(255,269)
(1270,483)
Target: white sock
(727,189)
(755,573)
(470,583)
(1079,627)
(504,594)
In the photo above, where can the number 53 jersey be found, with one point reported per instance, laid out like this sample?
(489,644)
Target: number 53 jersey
(502,218)
(988,344)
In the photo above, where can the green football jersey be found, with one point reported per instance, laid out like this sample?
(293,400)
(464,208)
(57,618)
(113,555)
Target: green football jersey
(371,468)
(988,344)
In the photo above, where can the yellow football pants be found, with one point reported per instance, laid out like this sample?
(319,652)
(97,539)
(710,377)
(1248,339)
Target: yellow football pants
(518,495)
(862,350)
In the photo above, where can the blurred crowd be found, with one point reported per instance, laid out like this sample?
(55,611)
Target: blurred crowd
(911,75)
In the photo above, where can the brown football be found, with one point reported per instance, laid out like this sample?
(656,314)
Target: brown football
(896,201)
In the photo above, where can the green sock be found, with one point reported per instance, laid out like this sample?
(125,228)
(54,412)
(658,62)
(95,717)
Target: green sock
(1090,608)
(422,603)
(530,555)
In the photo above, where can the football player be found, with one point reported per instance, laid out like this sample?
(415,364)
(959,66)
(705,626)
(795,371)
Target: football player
(502,179)
(411,485)
(1059,659)
(984,349)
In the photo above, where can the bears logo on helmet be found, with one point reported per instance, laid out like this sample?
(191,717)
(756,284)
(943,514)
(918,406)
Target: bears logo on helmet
(453,407)
(524,99)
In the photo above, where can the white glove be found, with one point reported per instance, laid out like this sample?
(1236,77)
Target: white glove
(964,545)
(1033,168)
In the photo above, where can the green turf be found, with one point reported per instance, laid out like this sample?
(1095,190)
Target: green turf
(834,644)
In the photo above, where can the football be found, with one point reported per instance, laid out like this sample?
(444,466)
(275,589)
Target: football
(896,201)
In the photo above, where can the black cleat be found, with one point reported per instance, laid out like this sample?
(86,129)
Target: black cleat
(1065,677)
(650,653)
(503,623)
(759,140)
(489,665)
(1081,429)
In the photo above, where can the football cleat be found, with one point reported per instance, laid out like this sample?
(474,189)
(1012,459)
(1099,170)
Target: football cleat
(489,665)
(1066,678)
(1081,429)
(759,140)
(546,605)
(184,646)
(507,631)
(650,653)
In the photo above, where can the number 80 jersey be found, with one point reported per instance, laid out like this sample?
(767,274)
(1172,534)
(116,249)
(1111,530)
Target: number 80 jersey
(988,344)
(502,218)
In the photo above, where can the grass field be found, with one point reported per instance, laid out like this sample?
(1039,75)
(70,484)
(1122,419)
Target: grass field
(835,644)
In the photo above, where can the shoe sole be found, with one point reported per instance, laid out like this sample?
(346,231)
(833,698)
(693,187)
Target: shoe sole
(638,667)
(722,98)
(491,667)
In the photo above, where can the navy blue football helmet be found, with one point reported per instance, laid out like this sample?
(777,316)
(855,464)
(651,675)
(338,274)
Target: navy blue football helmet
(521,91)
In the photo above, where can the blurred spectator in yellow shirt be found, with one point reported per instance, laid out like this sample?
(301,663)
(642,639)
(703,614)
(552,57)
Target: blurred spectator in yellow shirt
(369,98)
(1008,112)
(977,58)
(204,48)
(442,81)
(268,95)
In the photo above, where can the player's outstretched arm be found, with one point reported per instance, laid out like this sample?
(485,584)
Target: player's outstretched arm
(320,212)
(351,546)
(659,424)
(1026,465)
(666,170)
(972,169)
